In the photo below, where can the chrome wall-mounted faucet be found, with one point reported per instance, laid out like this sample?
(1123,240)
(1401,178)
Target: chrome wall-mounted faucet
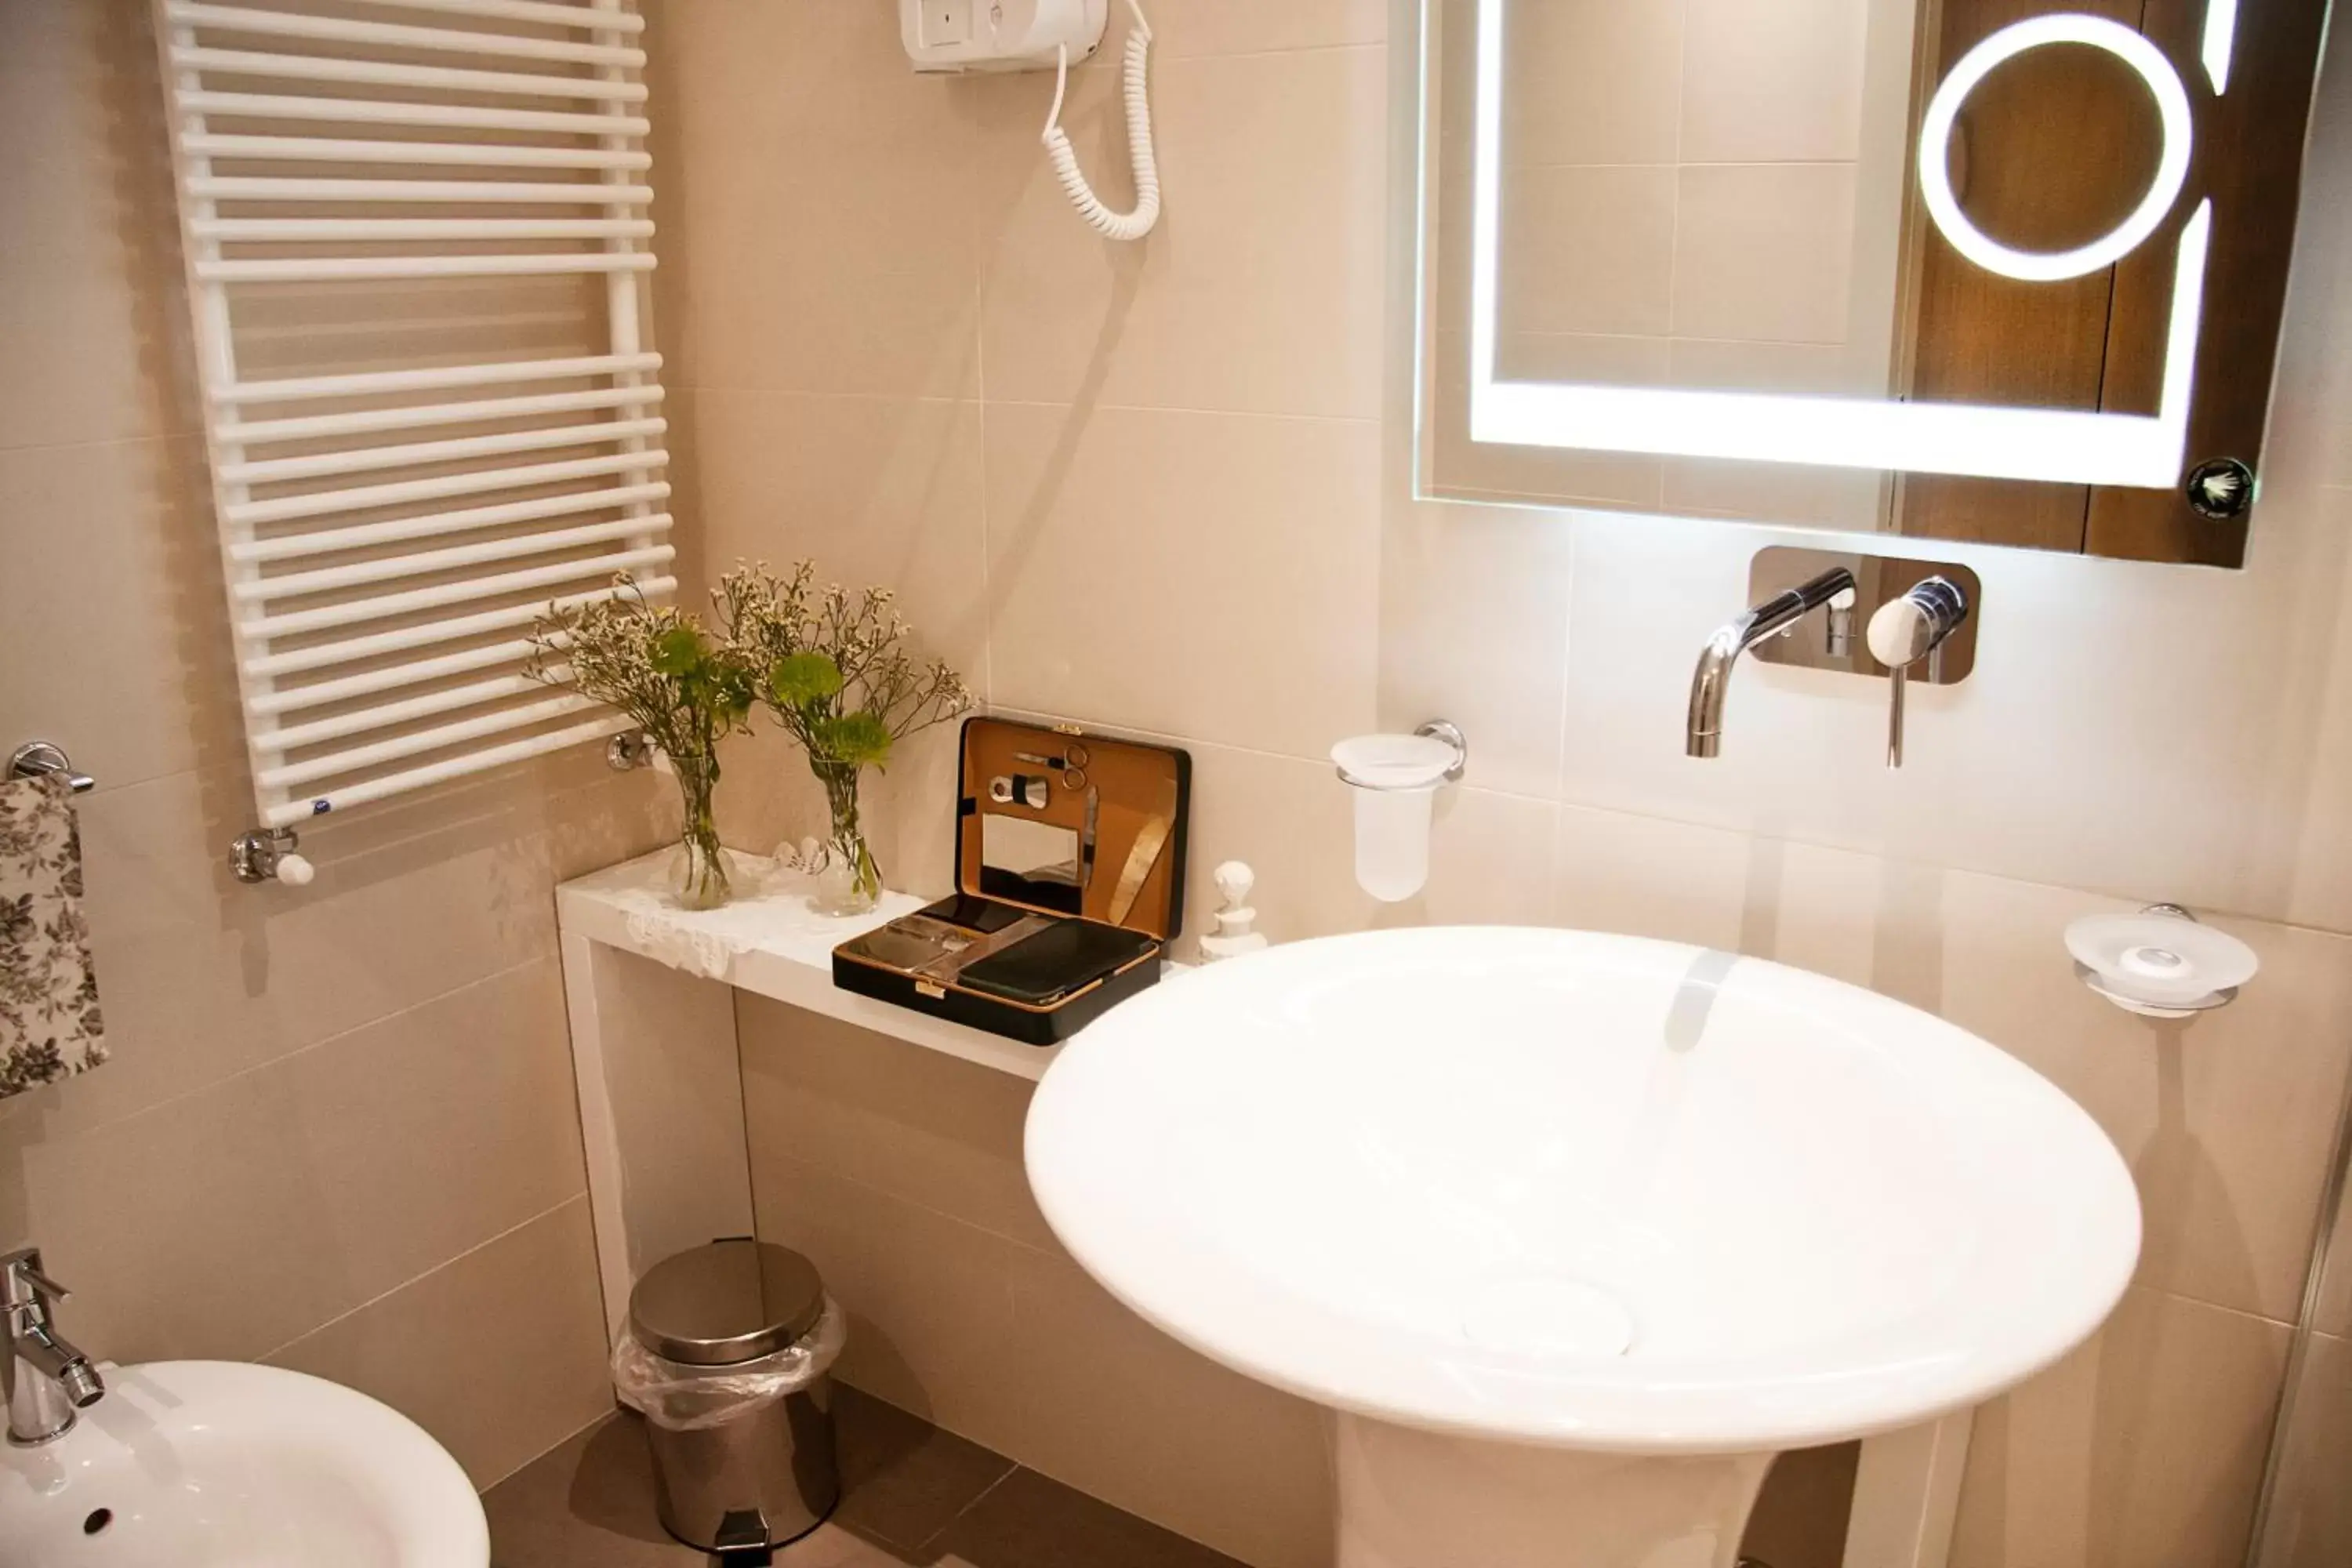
(1920,615)
(47,1380)
(1712,679)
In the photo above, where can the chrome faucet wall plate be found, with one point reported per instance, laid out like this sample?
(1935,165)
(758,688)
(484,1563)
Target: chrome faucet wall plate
(1878,580)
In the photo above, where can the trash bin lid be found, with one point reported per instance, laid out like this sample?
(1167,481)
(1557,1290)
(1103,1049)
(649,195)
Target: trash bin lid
(732,1301)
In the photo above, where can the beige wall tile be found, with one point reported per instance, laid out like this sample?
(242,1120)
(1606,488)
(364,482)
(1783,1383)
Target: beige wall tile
(1583,356)
(2142,1450)
(2228,1122)
(1587,249)
(1719,365)
(1288,818)
(879,490)
(116,641)
(2301,866)
(1460,469)
(1118,1409)
(2334,1313)
(1648,877)
(1764,252)
(933,1131)
(835,226)
(1203,575)
(2310,1521)
(93,315)
(1489,863)
(1585,82)
(1773,80)
(1849,499)
(1261,289)
(1191,27)
(201,979)
(229,1221)
(1500,674)
(875,490)
(300,328)
(930,1297)
(499,1353)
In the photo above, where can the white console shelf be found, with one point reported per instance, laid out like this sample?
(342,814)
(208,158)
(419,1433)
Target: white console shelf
(765,941)
(650,991)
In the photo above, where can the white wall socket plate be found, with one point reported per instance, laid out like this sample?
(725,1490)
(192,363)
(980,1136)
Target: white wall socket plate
(999,34)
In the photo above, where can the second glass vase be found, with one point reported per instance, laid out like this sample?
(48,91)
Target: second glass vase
(850,882)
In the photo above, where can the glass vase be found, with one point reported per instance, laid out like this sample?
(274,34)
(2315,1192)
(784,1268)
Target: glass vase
(850,883)
(697,871)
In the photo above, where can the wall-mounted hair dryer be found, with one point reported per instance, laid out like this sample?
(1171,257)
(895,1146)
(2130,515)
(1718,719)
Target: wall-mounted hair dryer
(1030,35)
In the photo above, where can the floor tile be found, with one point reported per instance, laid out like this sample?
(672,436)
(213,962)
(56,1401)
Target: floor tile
(903,1479)
(587,1504)
(908,1497)
(1028,1521)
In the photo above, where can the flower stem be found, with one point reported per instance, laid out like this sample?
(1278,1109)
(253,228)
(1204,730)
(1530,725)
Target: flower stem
(850,849)
(703,884)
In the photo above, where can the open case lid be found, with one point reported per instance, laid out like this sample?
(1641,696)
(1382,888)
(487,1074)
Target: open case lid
(1067,823)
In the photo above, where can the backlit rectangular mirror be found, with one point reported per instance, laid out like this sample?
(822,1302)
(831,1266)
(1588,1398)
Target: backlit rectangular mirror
(1977,269)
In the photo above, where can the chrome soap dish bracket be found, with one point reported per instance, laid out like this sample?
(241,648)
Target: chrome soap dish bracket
(2162,963)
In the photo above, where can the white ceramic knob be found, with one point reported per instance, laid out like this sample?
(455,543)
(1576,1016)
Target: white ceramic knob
(295,871)
(1899,634)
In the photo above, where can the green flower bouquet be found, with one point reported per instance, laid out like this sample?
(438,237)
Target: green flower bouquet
(834,670)
(683,687)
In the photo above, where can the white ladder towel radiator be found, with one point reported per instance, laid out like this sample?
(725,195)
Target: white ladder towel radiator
(391,527)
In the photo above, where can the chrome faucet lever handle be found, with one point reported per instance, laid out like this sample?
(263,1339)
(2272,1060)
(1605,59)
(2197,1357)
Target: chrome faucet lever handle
(1896,681)
(1906,630)
(42,1287)
(21,1276)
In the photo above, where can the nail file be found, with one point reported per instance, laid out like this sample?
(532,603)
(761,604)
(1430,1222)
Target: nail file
(1086,839)
(1149,841)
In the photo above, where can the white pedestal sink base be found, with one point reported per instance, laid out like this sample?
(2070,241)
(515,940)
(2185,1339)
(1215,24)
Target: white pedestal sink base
(1411,1498)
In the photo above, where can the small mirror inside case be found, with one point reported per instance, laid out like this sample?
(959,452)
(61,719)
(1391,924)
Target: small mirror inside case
(1030,862)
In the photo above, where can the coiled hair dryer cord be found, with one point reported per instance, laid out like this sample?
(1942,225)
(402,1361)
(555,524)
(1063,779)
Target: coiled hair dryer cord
(1136,89)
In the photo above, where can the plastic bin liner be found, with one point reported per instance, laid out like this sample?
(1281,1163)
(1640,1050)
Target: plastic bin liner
(683,1398)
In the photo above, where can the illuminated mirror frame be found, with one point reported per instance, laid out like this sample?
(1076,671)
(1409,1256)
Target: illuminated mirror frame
(2064,445)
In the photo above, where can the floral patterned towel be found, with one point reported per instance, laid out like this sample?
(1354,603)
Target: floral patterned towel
(49,1026)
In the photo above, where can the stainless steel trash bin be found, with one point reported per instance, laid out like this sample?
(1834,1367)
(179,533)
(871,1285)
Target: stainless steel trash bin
(734,1473)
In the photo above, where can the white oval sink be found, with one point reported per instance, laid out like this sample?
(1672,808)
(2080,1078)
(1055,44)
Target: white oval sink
(1581,1192)
(223,1465)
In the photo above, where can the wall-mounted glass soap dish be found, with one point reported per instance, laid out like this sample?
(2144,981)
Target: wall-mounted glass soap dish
(2162,963)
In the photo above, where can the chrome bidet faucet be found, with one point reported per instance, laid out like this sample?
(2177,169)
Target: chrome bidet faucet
(46,1379)
(1712,678)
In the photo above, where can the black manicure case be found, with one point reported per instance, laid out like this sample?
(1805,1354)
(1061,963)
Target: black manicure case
(1069,886)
